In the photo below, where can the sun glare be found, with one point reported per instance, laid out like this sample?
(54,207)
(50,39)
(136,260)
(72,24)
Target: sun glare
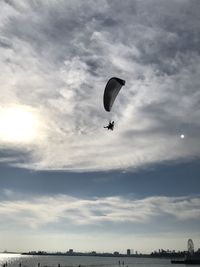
(17,124)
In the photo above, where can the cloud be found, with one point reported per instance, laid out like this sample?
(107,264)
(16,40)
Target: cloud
(57,58)
(64,210)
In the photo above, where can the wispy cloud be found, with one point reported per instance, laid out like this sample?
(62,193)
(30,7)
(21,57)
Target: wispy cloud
(57,56)
(63,209)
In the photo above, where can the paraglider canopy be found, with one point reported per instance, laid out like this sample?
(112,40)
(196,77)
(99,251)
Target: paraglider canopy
(111,91)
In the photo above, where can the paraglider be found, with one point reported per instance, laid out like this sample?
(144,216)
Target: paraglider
(111,91)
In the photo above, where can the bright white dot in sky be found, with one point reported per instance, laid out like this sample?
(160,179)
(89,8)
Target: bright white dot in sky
(182,136)
(17,124)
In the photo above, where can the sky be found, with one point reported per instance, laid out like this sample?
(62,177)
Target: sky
(65,181)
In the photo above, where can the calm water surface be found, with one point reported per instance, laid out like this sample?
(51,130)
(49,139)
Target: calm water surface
(14,260)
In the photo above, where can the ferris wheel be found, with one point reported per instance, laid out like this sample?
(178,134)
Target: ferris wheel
(190,246)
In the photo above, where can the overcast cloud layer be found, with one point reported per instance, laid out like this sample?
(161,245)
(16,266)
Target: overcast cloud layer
(56,57)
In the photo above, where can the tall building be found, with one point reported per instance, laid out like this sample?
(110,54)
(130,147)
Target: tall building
(128,252)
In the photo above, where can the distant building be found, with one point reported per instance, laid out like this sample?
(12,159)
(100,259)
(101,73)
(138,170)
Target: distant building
(128,252)
(71,251)
(116,253)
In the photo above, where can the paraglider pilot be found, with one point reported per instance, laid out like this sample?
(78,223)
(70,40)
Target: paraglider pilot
(110,126)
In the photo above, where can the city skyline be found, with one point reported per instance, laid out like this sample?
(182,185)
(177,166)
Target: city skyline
(65,181)
(127,252)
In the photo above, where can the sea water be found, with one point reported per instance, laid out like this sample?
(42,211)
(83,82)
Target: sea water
(16,260)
